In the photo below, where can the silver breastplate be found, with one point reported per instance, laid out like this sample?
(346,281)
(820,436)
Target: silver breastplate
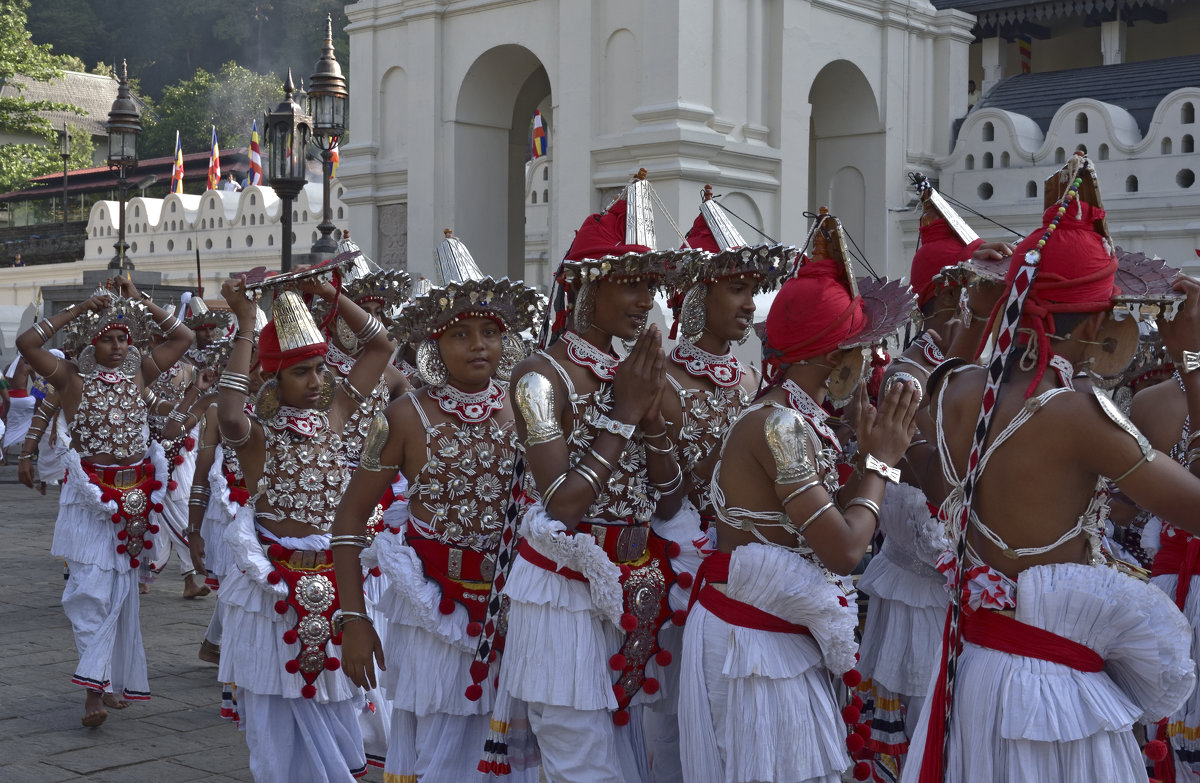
(111,417)
(354,434)
(304,474)
(707,416)
(169,389)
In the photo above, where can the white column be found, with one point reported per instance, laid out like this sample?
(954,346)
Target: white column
(431,191)
(995,62)
(1112,42)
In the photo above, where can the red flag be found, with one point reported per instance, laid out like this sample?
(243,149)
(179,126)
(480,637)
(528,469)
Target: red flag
(214,163)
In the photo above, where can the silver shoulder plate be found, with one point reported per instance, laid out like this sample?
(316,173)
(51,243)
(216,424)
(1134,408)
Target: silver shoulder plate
(377,437)
(1121,420)
(787,437)
(534,397)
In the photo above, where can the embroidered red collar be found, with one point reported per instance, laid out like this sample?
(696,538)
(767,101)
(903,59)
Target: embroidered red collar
(725,371)
(469,408)
(339,360)
(601,363)
(302,421)
(929,350)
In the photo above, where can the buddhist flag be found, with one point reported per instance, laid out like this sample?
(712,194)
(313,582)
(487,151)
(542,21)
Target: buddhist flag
(255,177)
(1025,46)
(177,167)
(539,135)
(214,163)
(334,160)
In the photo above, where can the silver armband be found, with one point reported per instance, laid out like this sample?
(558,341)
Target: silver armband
(534,396)
(1121,420)
(377,437)
(787,437)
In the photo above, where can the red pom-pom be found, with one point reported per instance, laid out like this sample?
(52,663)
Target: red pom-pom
(158,508)
(479,671)
(619,693)
(492,656)
(134,562)
(116,518)
(274,577)
(857,656)
(852,678)
(673,549)
(122,535)
(291,667)
(856,700)
(275,551)
(650,686)
(446,606)
(621,718)
(120,549)
(333,664)
(862,771)
(290,636)
(617,662)
(863,730)
(172,485)
(147,544)
(1156,750)
(281,607)
(375,571)
(155,485)
(628,622)
(176,460)
(474,628)
(308,691)
(684,580)
(474,692)
(153,529)
(189,443)
(854,743)
(851,714)
(663,658)
(679,617)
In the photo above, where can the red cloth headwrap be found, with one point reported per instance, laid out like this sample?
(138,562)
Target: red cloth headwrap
(109,328)
(1075,275)
(699,237)
(940,248)
(602,235)
(812,314)
(274,359)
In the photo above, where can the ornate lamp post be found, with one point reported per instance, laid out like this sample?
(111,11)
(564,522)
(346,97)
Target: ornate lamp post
(328,97)
(288,130)
(64,152)
(124,125)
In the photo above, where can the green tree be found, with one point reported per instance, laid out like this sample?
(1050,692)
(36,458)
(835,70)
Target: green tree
(20,163)
(230,99)
(19,56)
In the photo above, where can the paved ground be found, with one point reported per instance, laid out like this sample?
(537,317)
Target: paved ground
(175,737)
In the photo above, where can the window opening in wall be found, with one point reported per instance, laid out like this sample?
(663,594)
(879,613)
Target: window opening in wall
(1060,156)
(987,160)
(546,174)
(170,245)
(271,241)
(533,197)
(985,190)
(989,132)
(970,162)
(1030,189)
(1166,146)
(1131,184)
(1187,113)
(1187,144)
(545,196)
(189,244)
(1103,152)
(1185,178)
(1081,122)
(1004,160)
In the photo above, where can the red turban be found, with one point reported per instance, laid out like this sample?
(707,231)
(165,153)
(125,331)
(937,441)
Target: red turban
(274,359)
(114,325)
(812,314)
(603,235)
(1076,275)
(701,238)
(940,248)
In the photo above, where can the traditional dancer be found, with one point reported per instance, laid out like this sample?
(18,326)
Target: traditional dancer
(1060,653)
(772,624)
(110,503)
(712,296)
(455,439)
(957,278)
(21,403)
(47,441)
(279,646)
(588,590)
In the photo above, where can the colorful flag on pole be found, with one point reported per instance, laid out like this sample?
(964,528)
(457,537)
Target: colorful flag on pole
(334,160)
(214,163)
(539,135)
(177,167)
(255,177)
(1025,46)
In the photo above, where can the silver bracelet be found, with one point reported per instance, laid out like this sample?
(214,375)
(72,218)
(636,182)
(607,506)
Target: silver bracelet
(235,442)
(150,397)
(617,428)
(235,381)
(174,322)
(353,393)
(670,449)
(588,475)
(38,328)
(813,518)
(602,460)
(198,502)
(868,504)
(795,493)
(554,485)
(370,329)
(177,415)
(362,542)
(668,487)
(881,469)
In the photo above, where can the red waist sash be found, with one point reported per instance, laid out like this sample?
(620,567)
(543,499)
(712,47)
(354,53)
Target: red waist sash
(129,486)
(1179,555)
(715,568)
(464,575)
(1000,632)
(312,594)
(17,394)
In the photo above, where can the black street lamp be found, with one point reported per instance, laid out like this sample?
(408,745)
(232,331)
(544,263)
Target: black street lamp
(288,130)
(328,97)
(64,152)
(124,125)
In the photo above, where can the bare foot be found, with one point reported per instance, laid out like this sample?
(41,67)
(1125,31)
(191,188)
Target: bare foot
(144,588)
(111,700)
(41,487)
(192,589)
(93,710)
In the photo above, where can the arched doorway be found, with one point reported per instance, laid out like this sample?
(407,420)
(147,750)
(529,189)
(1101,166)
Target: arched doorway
(846,154)
(496,102)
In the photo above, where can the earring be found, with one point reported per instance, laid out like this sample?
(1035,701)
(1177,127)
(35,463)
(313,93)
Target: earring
(845,377)
(87,361)
(266,405)
(585,306)
(430,366)
(1108,356)
(346,336)
(512,355)
(327,389)
(693,314)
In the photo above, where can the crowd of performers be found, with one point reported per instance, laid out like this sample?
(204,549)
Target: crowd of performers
(455,534)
